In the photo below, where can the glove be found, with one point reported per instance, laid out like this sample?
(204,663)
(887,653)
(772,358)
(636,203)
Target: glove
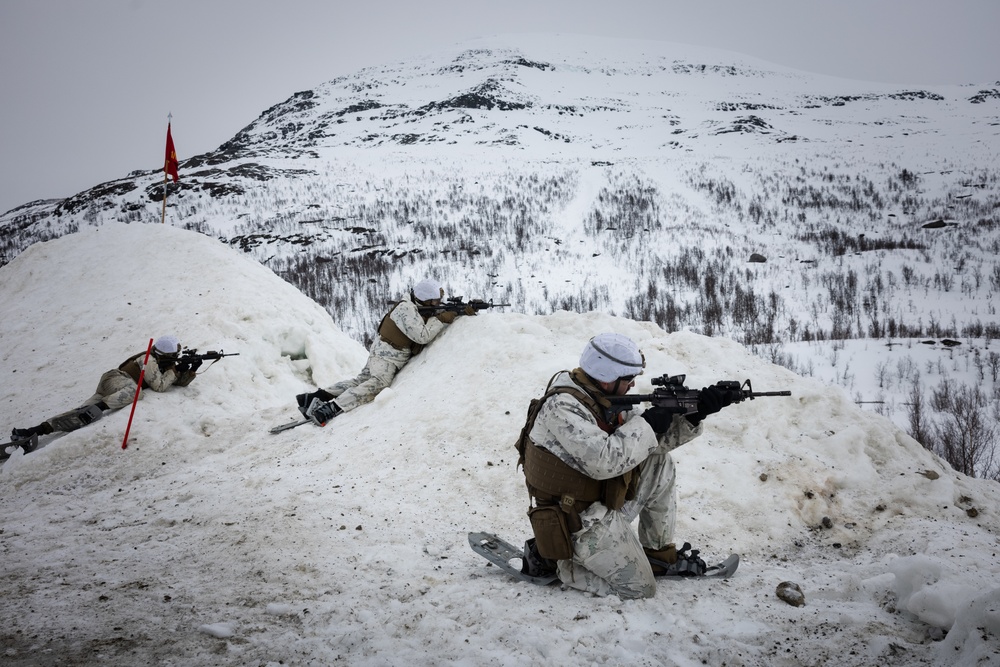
(659,418)
(470,310)
(187,365)
(447,316)
(712,399)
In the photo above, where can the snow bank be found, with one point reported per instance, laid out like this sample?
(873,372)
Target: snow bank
(208,537)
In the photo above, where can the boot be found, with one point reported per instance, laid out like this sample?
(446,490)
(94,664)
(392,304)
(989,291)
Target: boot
(305,400)
(19,434)
(321,412)
(27,438)
(682,562)
(533,565)
(661,559)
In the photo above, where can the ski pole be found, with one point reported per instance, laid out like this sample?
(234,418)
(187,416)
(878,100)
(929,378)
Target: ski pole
(138,388)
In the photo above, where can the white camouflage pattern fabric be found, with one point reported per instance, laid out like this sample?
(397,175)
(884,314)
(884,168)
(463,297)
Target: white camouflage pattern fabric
(608,556)
(384,360)
(117,389)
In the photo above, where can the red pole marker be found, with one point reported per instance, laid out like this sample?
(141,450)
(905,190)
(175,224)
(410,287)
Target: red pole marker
(138,388)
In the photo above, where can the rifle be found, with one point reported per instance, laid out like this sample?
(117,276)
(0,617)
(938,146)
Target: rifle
(190,357)
(670,393)
(456,305)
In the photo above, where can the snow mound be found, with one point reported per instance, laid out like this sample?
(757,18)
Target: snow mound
(348,543)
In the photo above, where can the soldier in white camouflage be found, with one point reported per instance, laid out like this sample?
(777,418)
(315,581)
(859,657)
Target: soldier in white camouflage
(116,389)
(591,471)
(402,333)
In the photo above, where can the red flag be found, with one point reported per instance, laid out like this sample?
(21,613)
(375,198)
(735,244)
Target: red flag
(170,163)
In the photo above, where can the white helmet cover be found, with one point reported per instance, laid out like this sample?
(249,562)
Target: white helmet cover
(610,356)
(428,289)
(167,345)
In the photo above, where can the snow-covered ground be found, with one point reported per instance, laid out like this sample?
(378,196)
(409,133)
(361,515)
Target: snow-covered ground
(209,541)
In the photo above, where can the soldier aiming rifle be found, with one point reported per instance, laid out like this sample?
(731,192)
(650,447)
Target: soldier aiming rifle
(593,465)
(117,387)
(409,326)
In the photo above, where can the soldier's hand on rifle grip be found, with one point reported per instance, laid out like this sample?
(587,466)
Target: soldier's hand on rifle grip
(470,310)
(712,399)
(658,418)
(447,316)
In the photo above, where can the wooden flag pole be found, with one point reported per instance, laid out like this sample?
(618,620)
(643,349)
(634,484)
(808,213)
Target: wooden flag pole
(163,216)
(166,165)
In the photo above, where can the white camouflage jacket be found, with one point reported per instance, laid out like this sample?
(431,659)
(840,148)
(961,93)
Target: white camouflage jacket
(567,428)
(154,378)
(411,323)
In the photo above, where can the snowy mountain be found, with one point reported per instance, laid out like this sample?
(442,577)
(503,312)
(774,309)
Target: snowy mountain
(210,542)
(697,189)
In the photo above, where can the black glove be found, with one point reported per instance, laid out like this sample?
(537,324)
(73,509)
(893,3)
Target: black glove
(659,418)
(712,399)
(187,365)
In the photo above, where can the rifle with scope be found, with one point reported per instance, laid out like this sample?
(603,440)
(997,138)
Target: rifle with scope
(190,360)
(670,393)
(456,305)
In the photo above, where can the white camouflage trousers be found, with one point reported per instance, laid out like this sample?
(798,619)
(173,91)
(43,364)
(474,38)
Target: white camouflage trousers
(116,388)
(373,378)
(608,556)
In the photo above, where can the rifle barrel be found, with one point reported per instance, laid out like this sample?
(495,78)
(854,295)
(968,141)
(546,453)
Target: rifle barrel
(211,354)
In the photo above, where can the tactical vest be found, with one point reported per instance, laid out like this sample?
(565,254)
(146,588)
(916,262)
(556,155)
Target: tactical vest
(390,333)
(133,367)
(552,483)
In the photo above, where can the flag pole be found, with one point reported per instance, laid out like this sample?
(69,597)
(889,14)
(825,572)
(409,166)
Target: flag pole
(163,215)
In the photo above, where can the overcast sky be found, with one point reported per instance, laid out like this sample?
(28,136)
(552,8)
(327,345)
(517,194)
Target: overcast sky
(85,86)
